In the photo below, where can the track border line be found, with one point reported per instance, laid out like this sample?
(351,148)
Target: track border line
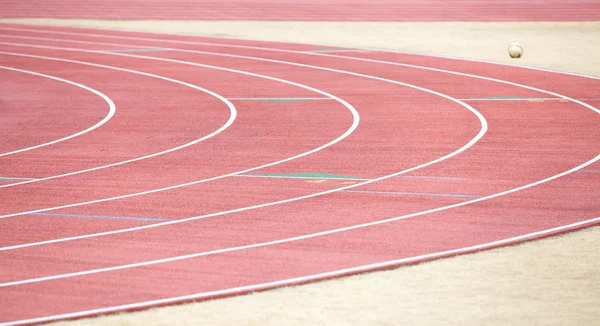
(133,31)
(482,131)
(452,252)
(228,123)
(330,69)
(111,110)
(314,277)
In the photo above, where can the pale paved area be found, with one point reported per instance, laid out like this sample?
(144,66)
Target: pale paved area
(564,46)
(553,281)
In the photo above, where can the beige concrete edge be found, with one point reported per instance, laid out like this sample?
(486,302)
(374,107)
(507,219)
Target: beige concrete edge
(460,40)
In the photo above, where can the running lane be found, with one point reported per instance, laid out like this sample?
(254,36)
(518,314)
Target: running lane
(310,10)
(509,171)
(527,141)
(133,131)
(425,119)
(221,155)
(27,122)
(520,152)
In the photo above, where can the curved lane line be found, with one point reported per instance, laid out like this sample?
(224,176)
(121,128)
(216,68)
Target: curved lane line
(296,238)
(314,277)
(355,122)
(340,272)
(111,111)
(229,122)
(343,188)
(456,152)
(333,190)
(260,48)
(480,134)
(287,62)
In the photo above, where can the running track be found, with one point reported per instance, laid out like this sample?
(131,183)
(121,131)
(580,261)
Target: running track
(229,166)
(309,10)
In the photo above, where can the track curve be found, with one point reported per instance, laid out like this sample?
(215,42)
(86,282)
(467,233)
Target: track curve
(365,239)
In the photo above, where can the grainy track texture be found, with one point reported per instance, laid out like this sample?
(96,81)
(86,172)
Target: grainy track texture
(309,10)
(546,206)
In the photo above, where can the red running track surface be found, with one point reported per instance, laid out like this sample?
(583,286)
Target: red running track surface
(310,10)
(424,175)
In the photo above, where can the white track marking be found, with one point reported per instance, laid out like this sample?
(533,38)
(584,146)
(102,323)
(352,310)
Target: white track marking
(232,116)
(355,124)
(347,187)
(296,238)
(237,210)
(351,186)
(321,193)
(314,277)
(136,38)
(263,48)
(111,110)
(312,195)
(77,41)
(305,65)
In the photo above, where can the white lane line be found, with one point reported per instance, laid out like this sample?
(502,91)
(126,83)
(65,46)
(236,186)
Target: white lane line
(479,135)
(313,277)
(329,69)
(374,180)
(302,65)
(111,110)
(232,116)
(290,281)
(296,238)
(355,122)
(137,38)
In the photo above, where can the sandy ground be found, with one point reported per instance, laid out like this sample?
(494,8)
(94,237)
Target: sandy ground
(554,281)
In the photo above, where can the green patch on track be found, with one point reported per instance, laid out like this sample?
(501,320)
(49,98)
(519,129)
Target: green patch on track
(279,99)
(13,179)
(304,176)
(510,98)
(135,50)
